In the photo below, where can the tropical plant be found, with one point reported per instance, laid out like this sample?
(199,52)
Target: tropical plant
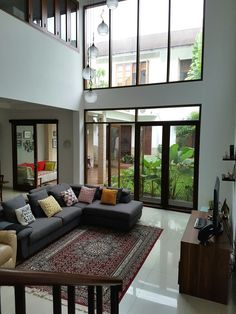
(181,172)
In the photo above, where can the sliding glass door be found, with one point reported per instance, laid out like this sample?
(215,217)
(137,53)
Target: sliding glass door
(153,152)
(150,163)
(167,164)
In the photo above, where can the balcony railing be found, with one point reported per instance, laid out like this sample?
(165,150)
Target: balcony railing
(20,279)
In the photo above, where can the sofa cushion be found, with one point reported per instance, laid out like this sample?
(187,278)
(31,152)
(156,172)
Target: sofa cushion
(109,196)
(69,197)
(119,191)
(24,215)
(80,205)
(125,196)
(68,214)
(43,227)
(50,165)
(50,206)
(41,165)
(56,190)
(121,211)
(86,194)
(11,205)
(33,201)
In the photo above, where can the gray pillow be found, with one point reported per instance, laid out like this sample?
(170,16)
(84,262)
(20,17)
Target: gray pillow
(11,205)
(56,190)
(33,201)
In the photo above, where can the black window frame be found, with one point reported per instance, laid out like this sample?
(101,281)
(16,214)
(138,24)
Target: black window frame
(57,30)
(168,81)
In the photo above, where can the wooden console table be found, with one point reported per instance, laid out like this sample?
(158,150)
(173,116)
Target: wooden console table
(204,271)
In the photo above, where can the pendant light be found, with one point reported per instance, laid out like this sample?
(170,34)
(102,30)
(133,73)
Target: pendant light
(88,73)
(103,28)
(93,50)
(90,96)
(112,4)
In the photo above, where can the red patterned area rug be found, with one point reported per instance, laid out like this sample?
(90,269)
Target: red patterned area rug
(95,251)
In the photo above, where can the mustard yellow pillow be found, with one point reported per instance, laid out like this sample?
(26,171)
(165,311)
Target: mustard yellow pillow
(109,196)
(50,165)
(50,206)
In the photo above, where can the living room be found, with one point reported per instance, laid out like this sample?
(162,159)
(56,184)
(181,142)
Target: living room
(42,78)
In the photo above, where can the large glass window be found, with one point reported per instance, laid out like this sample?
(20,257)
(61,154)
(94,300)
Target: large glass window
(153,39)
(124,42)
(186,39)
(157,41)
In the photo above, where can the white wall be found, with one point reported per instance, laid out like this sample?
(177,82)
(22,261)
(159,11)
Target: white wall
(37,68)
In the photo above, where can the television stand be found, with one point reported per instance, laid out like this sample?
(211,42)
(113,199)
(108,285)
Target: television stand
(204,270)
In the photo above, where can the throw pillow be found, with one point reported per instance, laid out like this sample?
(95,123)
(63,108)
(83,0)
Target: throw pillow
(33,201)
(50,165)
(50,206)
(11,205)
(56,190)
(119,192)
(41,165)
(69,197)
(109,197)
(24,215)
(86,195)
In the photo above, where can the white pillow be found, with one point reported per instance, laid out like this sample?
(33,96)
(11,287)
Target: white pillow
(24,215)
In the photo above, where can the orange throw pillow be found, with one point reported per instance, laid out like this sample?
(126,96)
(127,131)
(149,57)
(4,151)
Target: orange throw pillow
(109,197)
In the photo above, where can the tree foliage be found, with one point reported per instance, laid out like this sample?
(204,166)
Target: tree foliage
(195,70)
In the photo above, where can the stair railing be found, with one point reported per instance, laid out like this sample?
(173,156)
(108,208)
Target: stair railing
(20,279)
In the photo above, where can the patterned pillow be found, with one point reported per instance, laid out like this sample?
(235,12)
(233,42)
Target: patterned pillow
(86,195)
(24,215)
(50,206)
(69,197)
(109,196)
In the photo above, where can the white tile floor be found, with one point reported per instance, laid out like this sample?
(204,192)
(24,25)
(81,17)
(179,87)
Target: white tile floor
(155,288)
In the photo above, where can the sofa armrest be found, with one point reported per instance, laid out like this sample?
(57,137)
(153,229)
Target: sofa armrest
(8,237)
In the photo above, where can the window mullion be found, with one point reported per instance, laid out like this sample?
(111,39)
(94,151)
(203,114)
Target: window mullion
(57,18)
(110,51)
(44,13)
(68,21)
(168,44)
(138,47)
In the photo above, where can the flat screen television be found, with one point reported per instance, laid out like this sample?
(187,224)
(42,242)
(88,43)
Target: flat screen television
(218,228)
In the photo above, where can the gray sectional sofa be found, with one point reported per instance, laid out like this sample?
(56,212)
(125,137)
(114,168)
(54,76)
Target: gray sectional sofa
(32,238)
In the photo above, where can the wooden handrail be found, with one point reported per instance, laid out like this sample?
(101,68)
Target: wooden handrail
(22,277)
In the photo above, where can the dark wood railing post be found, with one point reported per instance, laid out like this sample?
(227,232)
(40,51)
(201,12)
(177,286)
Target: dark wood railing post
(115,300)
(20,307)
(56,291)
(99,301)
(91,300)
(71,299)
